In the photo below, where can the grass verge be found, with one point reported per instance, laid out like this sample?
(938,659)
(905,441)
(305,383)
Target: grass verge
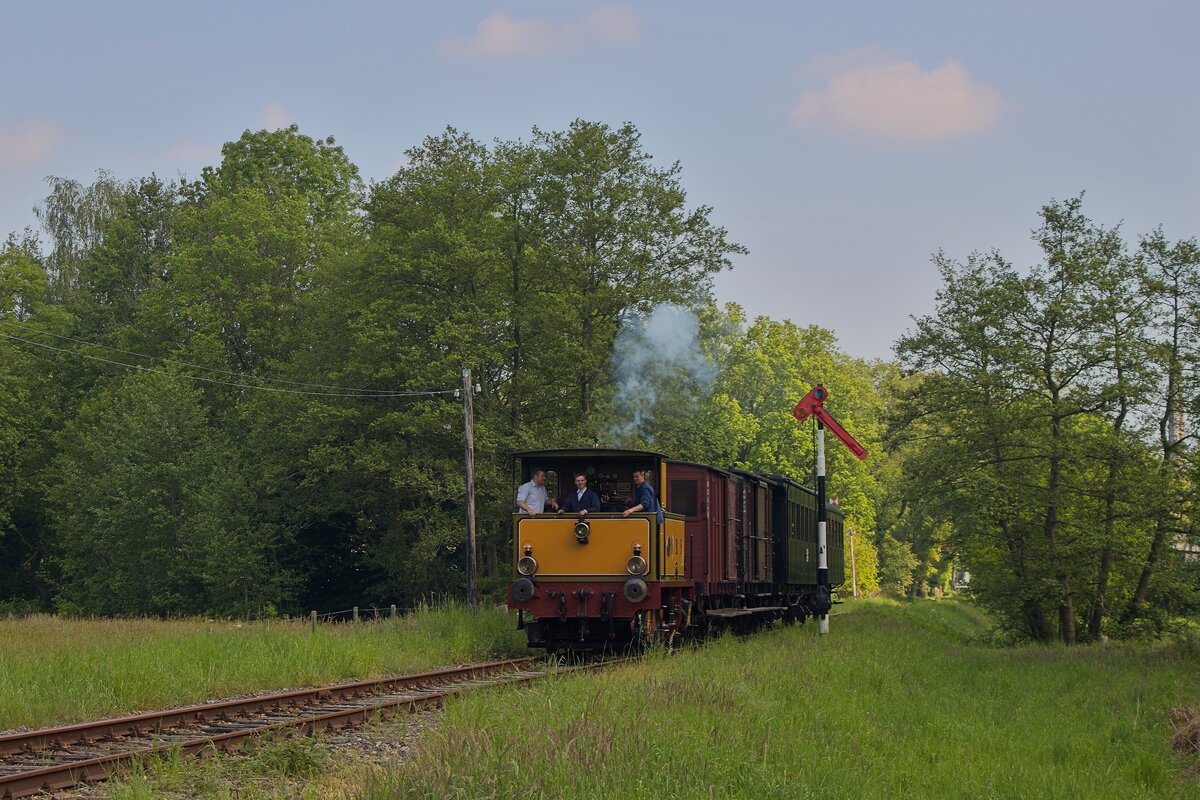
(55,670)
(896,702)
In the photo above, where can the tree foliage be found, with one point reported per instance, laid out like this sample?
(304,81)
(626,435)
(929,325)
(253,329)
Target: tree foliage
(1029,428)
(268,352)
(235,393)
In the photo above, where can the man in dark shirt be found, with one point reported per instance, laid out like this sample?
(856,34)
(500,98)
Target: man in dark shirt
(645,499)
(583,499)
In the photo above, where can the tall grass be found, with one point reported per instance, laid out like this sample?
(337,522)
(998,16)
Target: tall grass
(898,701)
(55,670)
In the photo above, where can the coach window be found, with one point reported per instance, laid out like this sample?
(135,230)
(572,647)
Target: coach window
(683,499)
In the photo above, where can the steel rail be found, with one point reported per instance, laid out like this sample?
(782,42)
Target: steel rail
(140,724)
(367,699)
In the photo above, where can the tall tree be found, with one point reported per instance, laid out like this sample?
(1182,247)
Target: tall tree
(1033,392)
(618,236)
(29,411)
(74,217)
(143,478)
(1172,281)
(966,432)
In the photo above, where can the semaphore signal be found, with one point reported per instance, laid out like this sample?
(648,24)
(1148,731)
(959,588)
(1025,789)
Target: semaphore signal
(813,406)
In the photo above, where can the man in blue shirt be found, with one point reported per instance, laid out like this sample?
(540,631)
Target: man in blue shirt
(643,494)
(583,499)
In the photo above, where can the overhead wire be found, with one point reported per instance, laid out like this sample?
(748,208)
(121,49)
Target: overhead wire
(343,392)
(200,367)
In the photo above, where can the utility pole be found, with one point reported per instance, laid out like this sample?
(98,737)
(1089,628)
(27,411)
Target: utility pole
(469,431)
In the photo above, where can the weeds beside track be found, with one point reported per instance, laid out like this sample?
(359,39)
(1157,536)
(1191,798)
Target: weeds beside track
(58,758)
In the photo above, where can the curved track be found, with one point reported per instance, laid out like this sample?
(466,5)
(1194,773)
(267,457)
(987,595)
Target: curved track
(59,758)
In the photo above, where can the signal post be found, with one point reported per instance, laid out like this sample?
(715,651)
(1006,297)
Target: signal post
(813,406)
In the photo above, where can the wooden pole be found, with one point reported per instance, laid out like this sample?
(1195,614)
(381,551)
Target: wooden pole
(469,431)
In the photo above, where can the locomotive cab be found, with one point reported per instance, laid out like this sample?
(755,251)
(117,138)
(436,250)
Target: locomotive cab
(601,579)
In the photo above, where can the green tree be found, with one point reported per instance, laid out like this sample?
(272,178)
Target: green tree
(74,218)
(131,254)
(1024,423)
(148,511)
(619,237)
(744,418)
(1171,279)
(31,406)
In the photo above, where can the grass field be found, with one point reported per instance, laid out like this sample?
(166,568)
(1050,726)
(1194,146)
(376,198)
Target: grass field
(900,700)
(896,702)
(55,670)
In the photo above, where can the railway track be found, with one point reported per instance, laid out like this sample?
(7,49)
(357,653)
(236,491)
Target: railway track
(59,758)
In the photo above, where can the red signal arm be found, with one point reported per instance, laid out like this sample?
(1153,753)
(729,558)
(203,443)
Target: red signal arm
(812,405)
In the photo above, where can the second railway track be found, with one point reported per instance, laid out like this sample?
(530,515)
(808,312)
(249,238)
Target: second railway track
(59,758)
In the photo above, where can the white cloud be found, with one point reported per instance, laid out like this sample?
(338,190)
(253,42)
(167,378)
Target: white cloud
(900,102)
(26,143)
(500,36)
(274,117)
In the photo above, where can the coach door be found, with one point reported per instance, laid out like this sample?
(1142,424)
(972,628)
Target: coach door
(762,533)
(733,528)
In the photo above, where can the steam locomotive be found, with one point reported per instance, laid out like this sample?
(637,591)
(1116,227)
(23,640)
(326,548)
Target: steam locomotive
(733,550)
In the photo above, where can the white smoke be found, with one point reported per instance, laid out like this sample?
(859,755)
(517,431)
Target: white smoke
(656,360)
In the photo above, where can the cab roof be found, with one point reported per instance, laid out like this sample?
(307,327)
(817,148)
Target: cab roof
(588,452)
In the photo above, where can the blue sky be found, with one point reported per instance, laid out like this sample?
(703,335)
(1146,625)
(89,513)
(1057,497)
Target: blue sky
(842,143)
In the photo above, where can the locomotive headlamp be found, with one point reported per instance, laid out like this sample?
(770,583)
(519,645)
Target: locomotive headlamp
(527,564)
(636,565)
(582,530)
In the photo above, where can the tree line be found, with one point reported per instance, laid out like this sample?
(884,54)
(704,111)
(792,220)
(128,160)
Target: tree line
(233,394)
(1046,428)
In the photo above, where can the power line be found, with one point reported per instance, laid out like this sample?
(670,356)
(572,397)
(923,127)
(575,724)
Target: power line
(203,368)
(345,393)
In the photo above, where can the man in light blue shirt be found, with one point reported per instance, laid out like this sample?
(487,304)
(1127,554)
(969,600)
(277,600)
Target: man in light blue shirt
(531,497)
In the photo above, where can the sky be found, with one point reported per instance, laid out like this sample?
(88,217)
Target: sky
(841,143)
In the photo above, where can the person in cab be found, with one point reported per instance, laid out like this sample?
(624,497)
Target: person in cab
(647,500)
(582,500)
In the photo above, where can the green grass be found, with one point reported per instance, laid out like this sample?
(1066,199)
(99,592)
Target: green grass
(55,670)
(280,767)
(898,701)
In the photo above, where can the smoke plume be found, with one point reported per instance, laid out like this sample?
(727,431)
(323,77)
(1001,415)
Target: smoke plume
(658,367)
